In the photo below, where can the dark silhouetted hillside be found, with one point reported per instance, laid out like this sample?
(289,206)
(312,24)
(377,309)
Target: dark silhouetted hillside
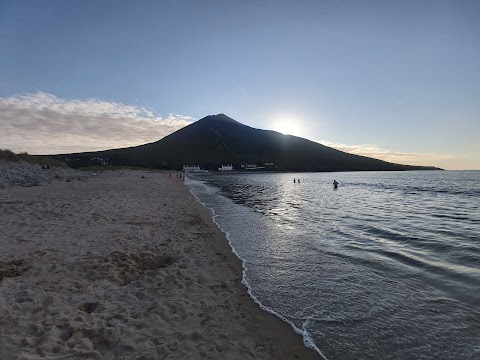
(218,139)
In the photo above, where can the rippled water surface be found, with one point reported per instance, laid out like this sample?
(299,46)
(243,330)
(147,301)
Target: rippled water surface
(387,266)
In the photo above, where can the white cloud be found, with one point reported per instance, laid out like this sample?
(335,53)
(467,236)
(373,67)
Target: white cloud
(409,158)
(42,123)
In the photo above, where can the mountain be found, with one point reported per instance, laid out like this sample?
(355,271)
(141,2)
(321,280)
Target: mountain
(218,139)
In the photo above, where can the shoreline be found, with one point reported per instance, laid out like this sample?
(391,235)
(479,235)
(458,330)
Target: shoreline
(279,329)
(120,266)
(247,288)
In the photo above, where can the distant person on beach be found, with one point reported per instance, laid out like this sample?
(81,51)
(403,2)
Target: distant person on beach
(294,181)
(335,184)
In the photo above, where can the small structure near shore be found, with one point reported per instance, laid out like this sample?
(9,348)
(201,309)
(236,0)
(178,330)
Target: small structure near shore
(228,167)
(193,169)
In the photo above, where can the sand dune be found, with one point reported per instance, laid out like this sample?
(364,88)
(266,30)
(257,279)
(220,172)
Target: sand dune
(117,266)
(25,174)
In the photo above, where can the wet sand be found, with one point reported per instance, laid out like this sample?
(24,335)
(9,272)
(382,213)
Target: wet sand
(116,266)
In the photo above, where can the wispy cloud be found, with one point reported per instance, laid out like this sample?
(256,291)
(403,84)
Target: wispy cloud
(409,158)
(42,123)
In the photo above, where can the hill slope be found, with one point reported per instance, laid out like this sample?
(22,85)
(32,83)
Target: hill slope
(218,139)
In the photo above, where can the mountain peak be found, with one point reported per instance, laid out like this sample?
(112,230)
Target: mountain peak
(220,117)
(218,139)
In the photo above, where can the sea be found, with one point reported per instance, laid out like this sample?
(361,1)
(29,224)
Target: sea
(386,266)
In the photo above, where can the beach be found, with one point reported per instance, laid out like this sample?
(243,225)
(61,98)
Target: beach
(123,265)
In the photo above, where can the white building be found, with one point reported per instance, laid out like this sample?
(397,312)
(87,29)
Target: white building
(191,168)
(226,167)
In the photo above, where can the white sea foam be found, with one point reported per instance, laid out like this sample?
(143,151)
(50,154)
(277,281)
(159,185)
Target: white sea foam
(307,340)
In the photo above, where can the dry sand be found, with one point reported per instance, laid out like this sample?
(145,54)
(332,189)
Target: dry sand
(119,267)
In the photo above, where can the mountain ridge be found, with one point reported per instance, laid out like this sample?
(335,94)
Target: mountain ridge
(217,139)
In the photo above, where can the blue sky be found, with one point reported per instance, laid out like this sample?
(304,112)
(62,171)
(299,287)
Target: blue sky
(397,80)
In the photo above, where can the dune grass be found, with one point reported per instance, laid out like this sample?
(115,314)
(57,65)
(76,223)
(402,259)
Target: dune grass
(8,155)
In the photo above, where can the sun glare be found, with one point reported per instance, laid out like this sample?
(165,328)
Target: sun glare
(287,126)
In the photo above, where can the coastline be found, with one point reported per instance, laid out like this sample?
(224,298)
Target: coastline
(120,266)
(264,324)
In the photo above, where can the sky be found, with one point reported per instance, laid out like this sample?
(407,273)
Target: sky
(394,80)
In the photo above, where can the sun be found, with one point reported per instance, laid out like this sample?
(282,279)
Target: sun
(287,126)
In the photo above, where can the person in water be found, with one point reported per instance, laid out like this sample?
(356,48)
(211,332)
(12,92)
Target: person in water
(335,184)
